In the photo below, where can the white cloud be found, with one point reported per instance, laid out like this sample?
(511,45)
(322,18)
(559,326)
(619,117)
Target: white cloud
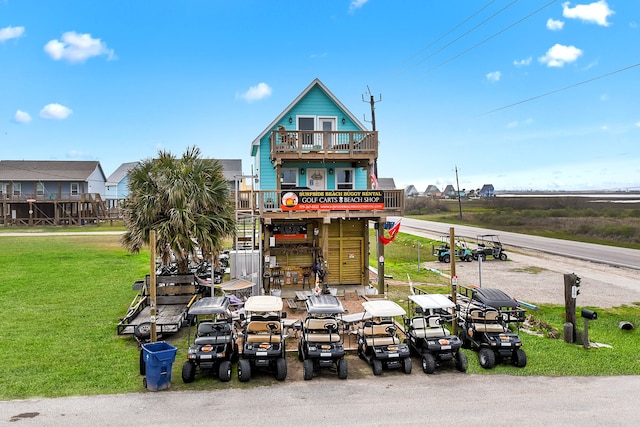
(523,62)
(494,76)
(554,25)
(76,47)
(256,93)
(55,111)
(356,4)
(21,117)
(638,124)
(595,13)
(10,32)
(559,55)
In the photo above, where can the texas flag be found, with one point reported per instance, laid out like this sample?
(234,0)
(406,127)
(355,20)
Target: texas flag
(392,234)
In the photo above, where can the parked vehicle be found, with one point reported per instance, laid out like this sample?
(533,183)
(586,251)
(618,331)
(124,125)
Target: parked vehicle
(443,252)
(263,341)
(489,245)
(489,321)
(427,335)
(214,343)
(320,344)
(378,341)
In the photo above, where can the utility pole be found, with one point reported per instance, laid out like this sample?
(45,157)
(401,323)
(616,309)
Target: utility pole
(458,185)
(380,224)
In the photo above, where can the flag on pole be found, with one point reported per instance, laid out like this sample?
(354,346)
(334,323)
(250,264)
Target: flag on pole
(392,234)
(374,180)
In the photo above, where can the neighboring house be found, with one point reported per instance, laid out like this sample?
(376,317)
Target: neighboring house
(449,192)
(117,188)
(432,191)
(386,184)
(51,192)
(487,190)
(314,194)
(411,191)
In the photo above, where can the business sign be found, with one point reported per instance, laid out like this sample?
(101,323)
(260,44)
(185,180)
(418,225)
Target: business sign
(330,200)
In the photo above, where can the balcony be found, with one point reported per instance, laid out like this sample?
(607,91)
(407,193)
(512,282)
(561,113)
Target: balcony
(266,204)
(359,147)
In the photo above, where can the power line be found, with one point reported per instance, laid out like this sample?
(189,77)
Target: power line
(558,90)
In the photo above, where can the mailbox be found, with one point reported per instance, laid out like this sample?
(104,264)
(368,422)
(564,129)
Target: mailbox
(589,314)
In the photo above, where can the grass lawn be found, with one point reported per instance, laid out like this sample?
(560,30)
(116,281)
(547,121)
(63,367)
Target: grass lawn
(61,298)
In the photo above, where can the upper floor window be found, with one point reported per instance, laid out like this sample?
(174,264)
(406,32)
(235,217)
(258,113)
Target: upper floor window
(17,188)
(344,179)
(40,189)
(4,188)
(288,178)
(75,189)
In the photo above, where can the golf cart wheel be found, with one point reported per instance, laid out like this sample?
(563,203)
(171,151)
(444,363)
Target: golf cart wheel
(487,358)
(142,331)
(342,369)
(462,363)
(428,363)
(377,367)
(468,258)
(503,256)
(446,259)
(519,358)
(224,371)
(235,355)
(244,370)
(307,369)
(188,372)
(281,369)
(466,342)
(143,366)
(407,364)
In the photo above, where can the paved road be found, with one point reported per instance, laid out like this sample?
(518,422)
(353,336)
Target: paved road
(392,399)
(621,257)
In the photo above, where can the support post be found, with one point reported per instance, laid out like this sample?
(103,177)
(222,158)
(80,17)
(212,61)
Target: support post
(569,307)
(152,286)
(379,232)
(454,276)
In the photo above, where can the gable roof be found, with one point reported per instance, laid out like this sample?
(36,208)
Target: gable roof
(386,184)
(119,174)
(231,168)
(315,82)
(48,170)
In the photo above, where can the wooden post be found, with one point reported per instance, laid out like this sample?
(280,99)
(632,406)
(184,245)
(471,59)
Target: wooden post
(454,276)
(569,306)
(152,285)
(380,232)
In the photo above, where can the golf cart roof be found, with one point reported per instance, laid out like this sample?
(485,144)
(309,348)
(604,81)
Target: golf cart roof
(428,301)
(263,303)
(324,304)
(210,305)
(494,298)
(383,308)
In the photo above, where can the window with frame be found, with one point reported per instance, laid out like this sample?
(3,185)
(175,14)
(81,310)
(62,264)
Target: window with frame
(288,178)
(40,189)
(17,188)
(344,179)
(4,188)
(75,189)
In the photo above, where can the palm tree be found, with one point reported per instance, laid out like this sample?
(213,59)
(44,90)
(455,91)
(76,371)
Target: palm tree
(186,201)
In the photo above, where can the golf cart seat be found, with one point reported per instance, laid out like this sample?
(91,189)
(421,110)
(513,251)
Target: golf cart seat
(264,331)
(378,334)
(428,327)
(486,320)
(322,330)
(213,333)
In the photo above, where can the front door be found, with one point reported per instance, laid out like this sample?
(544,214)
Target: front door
(316,179)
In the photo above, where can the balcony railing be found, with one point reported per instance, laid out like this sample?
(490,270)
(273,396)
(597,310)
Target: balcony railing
(267,202)
(334,144)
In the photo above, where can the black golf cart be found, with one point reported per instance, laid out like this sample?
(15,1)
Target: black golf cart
(489,245)
(378,342)
(320,344)
(263,342)
(427,335)
(214,344)
(486,319)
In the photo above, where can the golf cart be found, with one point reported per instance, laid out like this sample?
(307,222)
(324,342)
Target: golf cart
(427,334)
(489,245)
(214,344)
(263,341)
(484,319)
(320,344)
(378,342)
(443,252)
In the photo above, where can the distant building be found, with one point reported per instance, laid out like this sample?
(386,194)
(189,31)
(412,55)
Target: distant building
(386,184)
(411,191)
(432,191)
(449,192)
(487,190)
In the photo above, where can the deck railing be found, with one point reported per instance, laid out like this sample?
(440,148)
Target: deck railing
(302,142)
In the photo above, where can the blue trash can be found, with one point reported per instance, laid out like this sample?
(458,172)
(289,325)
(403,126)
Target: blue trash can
(158,359)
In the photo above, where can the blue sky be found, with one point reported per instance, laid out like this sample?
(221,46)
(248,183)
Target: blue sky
(529,94)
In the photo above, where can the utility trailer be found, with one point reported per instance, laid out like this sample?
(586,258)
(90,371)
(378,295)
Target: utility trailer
(174,295)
